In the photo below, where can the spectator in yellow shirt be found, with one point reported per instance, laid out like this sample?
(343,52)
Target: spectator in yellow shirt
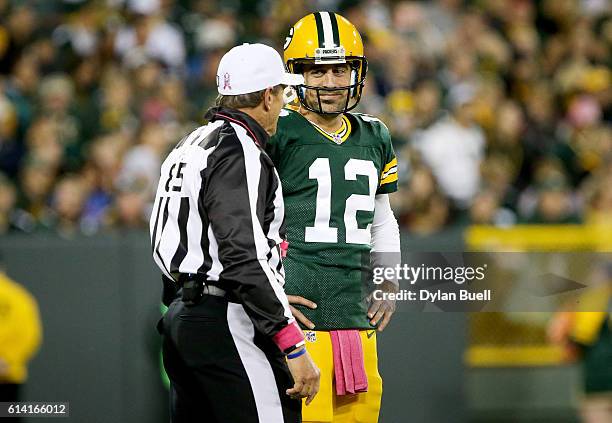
(20,336)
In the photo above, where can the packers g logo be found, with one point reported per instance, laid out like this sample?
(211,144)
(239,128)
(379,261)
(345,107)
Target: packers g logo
(288,39)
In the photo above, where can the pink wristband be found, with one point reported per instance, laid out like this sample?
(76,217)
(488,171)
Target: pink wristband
(288,336)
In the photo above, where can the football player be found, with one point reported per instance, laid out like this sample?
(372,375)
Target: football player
(337,169)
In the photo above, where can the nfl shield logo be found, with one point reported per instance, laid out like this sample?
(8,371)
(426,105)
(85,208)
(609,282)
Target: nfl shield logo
(311,336)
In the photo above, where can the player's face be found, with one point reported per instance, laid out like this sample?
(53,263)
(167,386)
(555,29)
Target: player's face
(327,76)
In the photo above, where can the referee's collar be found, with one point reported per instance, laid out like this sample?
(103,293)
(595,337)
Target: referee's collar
(255,130)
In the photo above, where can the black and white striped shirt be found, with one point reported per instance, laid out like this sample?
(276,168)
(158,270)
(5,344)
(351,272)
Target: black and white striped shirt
(219,213)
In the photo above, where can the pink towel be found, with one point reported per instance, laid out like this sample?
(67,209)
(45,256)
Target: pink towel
(349,367)
(284,246)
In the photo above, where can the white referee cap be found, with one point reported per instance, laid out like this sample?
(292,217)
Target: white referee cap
(252,67)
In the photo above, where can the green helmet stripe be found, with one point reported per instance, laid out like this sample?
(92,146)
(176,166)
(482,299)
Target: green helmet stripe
(319,22)
(334,23)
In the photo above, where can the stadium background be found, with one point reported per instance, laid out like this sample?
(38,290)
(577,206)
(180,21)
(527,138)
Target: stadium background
(94,93)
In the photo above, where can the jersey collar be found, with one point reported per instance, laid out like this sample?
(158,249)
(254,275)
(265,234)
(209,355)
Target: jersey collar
(255,130)
(338,136)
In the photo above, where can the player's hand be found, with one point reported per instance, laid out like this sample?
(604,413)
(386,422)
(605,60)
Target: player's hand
(559,332)
(560,327)
(306,377)
(380,311)
(299,316)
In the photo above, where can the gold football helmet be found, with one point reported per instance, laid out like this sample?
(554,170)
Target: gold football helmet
(326,38)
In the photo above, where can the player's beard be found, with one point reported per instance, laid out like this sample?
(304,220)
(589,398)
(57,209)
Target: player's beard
(332,102)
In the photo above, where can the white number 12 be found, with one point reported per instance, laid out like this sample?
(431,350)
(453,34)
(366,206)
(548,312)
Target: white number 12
(321,231)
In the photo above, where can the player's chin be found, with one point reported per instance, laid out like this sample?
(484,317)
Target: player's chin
(333,106)
(329,104)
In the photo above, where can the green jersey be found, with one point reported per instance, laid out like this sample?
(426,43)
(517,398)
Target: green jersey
(597,372)
(329,183)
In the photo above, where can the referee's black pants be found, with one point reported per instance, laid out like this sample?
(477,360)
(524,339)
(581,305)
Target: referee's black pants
(221,369)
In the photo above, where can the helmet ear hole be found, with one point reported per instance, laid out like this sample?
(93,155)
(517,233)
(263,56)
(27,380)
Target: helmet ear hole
(297,67)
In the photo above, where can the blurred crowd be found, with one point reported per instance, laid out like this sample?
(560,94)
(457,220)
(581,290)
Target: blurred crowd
(499,110)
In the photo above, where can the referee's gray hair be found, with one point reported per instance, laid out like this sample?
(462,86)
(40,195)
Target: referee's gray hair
(244,101)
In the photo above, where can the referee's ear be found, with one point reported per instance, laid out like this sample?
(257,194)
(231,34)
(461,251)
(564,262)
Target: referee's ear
(268,99)
(271,96)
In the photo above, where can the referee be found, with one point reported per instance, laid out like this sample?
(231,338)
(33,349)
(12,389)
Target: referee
(231,347)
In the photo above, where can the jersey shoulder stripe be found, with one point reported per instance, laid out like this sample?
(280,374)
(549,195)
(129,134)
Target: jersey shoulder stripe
(390,165)
(389,173)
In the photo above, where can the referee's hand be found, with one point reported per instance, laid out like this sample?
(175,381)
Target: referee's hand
(306,378)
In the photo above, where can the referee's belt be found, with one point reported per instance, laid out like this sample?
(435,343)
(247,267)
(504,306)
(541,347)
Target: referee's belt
(213,290)
(194,287)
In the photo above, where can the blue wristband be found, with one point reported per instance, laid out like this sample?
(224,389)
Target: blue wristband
(297,354)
